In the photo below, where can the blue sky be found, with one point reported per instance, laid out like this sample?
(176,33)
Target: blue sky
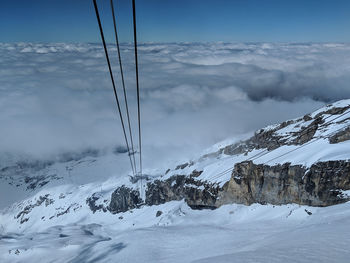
(180,20)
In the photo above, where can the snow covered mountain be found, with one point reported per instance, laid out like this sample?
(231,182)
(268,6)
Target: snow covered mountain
(85,208)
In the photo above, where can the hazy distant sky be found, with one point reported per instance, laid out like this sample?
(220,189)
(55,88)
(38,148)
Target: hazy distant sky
(179,20)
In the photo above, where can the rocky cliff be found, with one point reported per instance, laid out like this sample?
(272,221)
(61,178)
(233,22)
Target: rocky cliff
(315,183)
(304,161)
(322,184)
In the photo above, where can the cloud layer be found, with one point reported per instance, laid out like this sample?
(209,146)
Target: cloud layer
(58,97)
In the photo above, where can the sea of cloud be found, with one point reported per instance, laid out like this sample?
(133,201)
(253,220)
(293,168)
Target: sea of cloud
(57,98)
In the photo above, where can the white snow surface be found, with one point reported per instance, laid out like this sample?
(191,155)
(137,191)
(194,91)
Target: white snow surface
(232,233)
(64,229)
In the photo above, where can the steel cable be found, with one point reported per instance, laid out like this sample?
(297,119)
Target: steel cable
(113,83)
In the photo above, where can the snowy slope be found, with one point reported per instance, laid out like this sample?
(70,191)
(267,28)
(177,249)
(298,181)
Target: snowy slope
(26,176)
(54,219)
(99,175)
(232,233)
(217,166)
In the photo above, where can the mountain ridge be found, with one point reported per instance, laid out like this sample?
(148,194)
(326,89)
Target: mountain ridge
(284,187)
(245,172)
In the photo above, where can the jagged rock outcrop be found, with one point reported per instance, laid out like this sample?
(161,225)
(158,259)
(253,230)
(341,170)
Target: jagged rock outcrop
(92,203)
(306,128)
(197,194)
(320,185)
(28,208)
(124,199)
(268,139)
(340,136)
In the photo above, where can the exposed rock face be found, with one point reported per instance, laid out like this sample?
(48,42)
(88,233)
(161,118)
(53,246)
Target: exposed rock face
(124,199)
(27,209)
(340,136)
(320,185)
(91,202)
(271,139)
(197,194)
(160,192)
(159,213)
(307,133)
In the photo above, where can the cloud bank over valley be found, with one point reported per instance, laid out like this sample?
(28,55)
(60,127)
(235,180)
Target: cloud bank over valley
(57,98)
